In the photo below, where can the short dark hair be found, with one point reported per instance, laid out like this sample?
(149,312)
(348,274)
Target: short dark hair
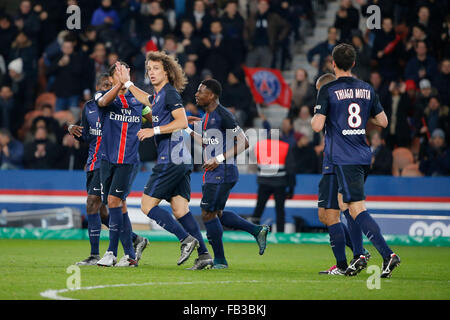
(101,77)
(214,86)
(112,68)
(324,79)
(344,56)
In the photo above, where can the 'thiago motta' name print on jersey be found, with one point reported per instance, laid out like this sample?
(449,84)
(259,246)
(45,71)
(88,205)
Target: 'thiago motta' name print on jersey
(352,94)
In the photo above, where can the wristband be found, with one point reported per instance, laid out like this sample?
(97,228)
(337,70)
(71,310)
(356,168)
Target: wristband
(157,130)
(146,110)
(70,127)
(128,84)
(220,158)
(188,130)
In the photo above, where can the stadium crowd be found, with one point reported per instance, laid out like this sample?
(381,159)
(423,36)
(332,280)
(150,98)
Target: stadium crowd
(47,72)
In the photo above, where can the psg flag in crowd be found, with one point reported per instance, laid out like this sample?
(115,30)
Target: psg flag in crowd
(268,86)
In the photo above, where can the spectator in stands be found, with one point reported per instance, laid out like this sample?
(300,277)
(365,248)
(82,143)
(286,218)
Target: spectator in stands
(238,98)
(302,124)
(88,40)
(302,155)
(287,132)
(6,107)
(106,16)
(264,31)
(422,65)
(8,33)
(435,116)
(72,154)
(41,153)
(171,48)
(432,27)
(233,32)
(155,41)
(188,94)
(426,91)
(11,151)
(347,20)
(190,42)
(418,34)
(215,52)
(303,92)
(52,124)
(323,49)
(363,58)
(68,71)
(442,81)
(398,132)
(28,21)
(98,63)
(20,86)
(200,18)
(436,159)
(385,55)
(23,48)
(381,87)
(381,155)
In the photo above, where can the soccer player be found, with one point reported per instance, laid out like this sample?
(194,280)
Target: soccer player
(121,118)
(170,179)
(90,131)
(329,213)
(220,175)
(344,106)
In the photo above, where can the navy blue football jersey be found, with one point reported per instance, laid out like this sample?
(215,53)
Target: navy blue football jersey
(170,147)
(92,133)
(214,130)
(348,103)
(121,122)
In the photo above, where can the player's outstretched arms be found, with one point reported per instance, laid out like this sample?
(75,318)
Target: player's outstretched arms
(318,122)
(380,120)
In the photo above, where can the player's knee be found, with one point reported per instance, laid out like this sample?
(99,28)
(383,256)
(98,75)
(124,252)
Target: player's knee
(93,204)
(114,202)
(208,215)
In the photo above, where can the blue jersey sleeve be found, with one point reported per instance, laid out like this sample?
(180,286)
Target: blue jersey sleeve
(322,101)
(228,120)
(173,100)
(98,95)
(376,105)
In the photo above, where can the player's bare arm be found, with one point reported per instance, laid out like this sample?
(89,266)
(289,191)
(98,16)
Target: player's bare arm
(179,123)
(318,122)
(109,96)
(240,145)
(75,130)
(380,120)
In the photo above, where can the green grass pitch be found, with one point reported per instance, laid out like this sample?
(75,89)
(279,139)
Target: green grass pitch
(285,271)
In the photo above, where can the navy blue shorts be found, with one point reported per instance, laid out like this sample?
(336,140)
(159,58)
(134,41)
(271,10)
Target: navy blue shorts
(169,180)
(116,179)
(328,192)
(351,179)
(215,196)
(93,185)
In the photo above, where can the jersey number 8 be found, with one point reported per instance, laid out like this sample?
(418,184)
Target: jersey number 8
(354,119)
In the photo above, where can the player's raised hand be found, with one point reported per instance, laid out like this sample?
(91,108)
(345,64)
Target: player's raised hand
(145,133)
(211,164)
(123,72)
(192,119)
(76,131)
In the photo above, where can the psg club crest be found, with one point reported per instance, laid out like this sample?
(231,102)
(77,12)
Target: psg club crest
(268,86)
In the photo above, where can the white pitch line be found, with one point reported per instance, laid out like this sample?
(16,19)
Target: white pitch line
(55,294)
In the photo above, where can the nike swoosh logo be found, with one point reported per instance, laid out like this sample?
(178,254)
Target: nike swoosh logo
(119,190)
(96,189)
(91,111)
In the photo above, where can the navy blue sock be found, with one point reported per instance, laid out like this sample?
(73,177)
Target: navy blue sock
(94,228)
(165,220)
(191,226)
(348,240)
(115,226)
(214,233)
(105,222)
(355,235)
(337,241)
(373,233)
(231,220)
(125,236)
